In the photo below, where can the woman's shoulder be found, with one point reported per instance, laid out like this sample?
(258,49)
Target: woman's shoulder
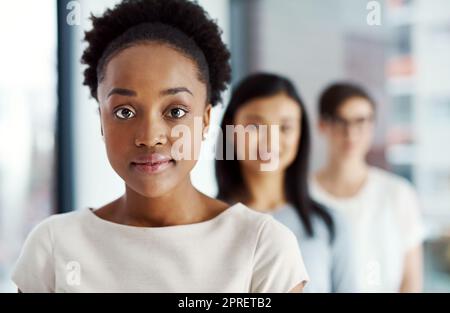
(278,263)
(250,217)
(268,229)
(338,218)
(56,223)
(394,187)
(34,269)
(388,179)
(64,218)
(247,213)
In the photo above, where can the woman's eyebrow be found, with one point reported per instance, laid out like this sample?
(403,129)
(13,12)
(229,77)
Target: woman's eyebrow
(289,119)
(122,92)
(254,117)
(174,91)
(132,93)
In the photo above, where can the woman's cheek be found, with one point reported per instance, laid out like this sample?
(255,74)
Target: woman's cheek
(116,155)
(289,147)
(117,144)
(251,147)
(197,140)
(186,141)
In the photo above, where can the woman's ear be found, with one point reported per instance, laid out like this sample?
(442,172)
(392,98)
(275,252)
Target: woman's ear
(101,131)
(101,126)
(206,120)
(321,126)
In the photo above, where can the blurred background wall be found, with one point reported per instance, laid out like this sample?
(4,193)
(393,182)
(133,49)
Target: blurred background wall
(52,157)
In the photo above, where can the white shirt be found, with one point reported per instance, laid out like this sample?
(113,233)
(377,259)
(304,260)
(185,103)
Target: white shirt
(385,224)
(237,251)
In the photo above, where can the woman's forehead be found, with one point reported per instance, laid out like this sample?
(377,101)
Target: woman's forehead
(355,107)
(155,66)
(278,107)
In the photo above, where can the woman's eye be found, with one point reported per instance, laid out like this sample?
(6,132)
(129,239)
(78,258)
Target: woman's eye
(177,113)
(285,128)
(124,114)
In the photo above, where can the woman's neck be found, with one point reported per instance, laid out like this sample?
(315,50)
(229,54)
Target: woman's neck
(181,206)
(266,190)
(343,178)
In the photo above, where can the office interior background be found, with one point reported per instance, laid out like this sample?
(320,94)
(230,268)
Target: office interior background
(52,157)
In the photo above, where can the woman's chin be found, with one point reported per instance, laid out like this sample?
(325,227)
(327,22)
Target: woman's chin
(151,189)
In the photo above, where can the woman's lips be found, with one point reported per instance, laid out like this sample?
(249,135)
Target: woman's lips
(153,168)
(152,164)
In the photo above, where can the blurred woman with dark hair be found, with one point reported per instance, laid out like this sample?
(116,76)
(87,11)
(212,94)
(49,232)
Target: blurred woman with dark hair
(268,100)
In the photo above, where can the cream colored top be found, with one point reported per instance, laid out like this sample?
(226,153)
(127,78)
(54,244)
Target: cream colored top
(239,250)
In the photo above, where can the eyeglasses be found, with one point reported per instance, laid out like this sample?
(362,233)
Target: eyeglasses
(357,123)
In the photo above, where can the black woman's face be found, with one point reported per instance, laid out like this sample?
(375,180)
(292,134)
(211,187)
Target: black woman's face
(148,91)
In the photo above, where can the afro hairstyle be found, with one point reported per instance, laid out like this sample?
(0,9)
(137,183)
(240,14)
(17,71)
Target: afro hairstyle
(181,24)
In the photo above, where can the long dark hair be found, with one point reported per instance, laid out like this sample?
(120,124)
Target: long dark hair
(228,172)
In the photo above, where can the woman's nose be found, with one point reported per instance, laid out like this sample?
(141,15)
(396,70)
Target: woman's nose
(151,133)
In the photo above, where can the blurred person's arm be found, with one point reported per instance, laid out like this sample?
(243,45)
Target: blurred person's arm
(298,288)
(412,280)
(413,237)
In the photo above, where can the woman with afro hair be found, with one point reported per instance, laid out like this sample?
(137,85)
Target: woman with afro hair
(155,66)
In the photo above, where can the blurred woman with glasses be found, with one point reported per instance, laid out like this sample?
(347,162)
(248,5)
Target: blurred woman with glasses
(382,208)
